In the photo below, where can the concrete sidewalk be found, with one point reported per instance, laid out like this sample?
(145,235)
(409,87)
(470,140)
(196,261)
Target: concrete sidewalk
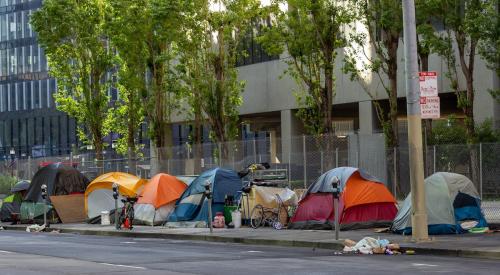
(466,245)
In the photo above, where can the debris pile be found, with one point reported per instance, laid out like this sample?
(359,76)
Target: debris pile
(369,245)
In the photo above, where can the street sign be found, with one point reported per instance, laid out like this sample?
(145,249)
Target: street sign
(429,107)
(428,84)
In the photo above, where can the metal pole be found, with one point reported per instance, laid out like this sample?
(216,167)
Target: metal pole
(289,162)
(321,166)
(304,159)
(419,214)
(336,157)
(481,171)
(29,167)
(336,207)
(45,211)
(254,150)
(434,158)
(208,194)
(395,167)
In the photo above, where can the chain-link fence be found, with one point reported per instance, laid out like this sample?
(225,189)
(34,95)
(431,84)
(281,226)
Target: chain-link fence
(301,158)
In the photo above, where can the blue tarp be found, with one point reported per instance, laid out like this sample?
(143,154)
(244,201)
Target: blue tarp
(192,205)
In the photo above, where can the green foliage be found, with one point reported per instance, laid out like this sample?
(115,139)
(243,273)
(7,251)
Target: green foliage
(453,131)
(383,21)
(6,182)
(72,35)
(208,62)
(310,32)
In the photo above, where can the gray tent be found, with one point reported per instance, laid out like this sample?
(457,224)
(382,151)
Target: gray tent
(450,199)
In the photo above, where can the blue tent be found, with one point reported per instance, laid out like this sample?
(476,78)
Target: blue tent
(193,206)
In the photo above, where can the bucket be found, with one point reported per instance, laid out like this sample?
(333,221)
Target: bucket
(105,218)
(236,218)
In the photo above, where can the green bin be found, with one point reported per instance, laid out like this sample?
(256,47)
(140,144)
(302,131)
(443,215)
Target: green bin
(227,212)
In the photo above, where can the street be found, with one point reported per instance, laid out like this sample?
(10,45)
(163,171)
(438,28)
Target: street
(53,253)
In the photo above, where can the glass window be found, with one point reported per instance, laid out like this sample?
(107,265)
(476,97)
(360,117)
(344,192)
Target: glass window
(20,63)
(27,27)
(43,93)
(35,58)
(54,128)
(1,100)
(4,60)
(52,91)
(43,61)
(12,26)
(23,132)
(5,97)
(29,95)
(3,27)
(12,94)
(19,25)
(36,93)
(27,59)
(20,96)
(12,61)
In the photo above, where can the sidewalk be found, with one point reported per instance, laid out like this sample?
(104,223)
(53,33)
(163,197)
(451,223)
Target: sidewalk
(466,245)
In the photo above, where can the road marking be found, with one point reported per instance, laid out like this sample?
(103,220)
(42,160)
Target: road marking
(128,242)
(6,252)
(254,251)
(430,265)
(120,265)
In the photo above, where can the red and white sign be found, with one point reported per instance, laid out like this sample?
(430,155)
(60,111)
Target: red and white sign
(428,84)
(429,107)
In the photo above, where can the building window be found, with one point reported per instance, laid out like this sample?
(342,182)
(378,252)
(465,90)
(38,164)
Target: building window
(29,95)
(252,51)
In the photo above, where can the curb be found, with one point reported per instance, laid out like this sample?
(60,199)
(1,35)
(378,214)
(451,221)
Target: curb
(284,243)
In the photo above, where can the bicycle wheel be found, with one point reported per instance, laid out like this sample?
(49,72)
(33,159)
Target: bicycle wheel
(257,216)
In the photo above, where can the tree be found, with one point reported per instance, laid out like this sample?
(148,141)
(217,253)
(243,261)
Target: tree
(126,18)
(383,23)
(466,28)
(211,65)
(146,34)
(489,45)
(72,35)
(311,32)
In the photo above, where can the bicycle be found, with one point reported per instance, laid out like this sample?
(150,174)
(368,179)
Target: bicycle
(262,215)
(126,217)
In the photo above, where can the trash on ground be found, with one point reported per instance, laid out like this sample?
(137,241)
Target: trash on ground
(35,228)
(369,245)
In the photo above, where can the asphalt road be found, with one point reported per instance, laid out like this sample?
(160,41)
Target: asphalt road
(51,253)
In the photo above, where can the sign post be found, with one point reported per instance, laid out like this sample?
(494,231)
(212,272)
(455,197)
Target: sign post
(429,99)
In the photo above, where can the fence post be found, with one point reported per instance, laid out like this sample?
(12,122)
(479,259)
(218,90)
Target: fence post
(219,147)
(290,162)
(304,159)
(359,151)
(434,158)
(481,171)
(254,150)
(336,157)
(29,167)
(321,166)
(395,167)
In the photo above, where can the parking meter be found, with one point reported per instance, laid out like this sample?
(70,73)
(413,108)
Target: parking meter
(44,197)
(336,193)
(115,196)
(208,195)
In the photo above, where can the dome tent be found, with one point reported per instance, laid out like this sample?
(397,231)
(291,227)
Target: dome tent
(450,199)
(158,199)
(364,202)
(60,180)
(99,193)
(12,204)
(192,206)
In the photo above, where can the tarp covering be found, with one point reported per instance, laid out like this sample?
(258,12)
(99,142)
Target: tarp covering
(364,202)
(99,194)
(60,180)
(157,199)
(20,186)
(192,204)
(450,199)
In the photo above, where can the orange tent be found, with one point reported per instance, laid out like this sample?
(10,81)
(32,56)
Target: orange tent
(158,198)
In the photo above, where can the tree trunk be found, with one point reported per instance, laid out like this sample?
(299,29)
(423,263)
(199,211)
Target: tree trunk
(197,141)
(132,162)
(392,133)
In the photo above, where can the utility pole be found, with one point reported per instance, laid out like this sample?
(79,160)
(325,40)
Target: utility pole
(419,211)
